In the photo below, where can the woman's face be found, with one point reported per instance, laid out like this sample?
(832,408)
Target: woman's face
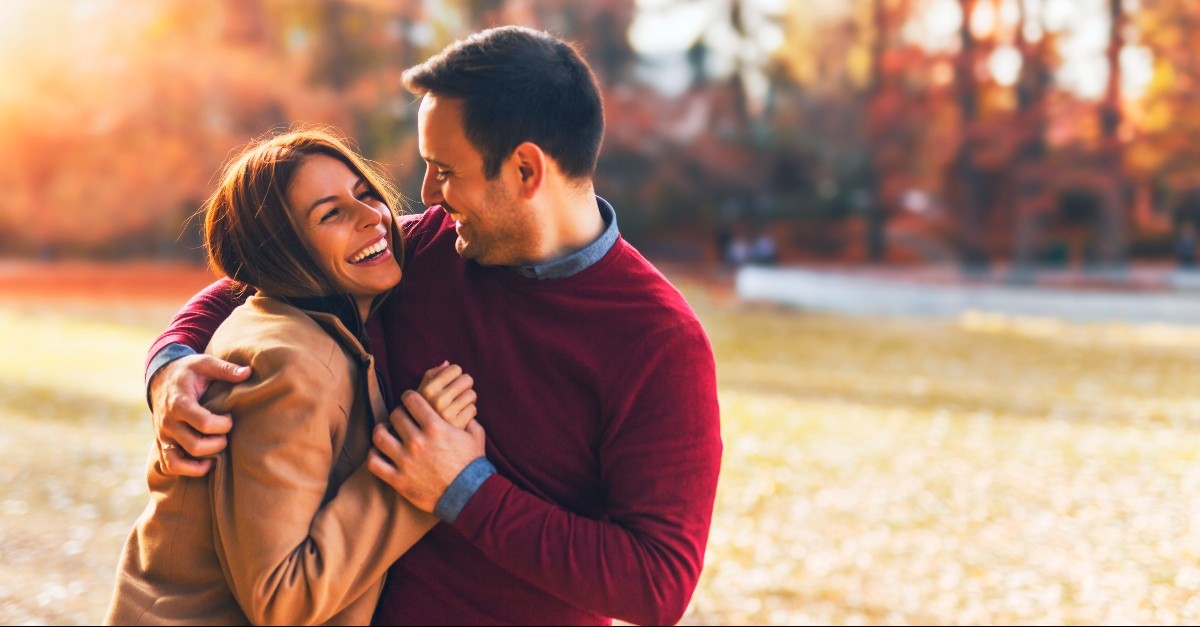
(347,225)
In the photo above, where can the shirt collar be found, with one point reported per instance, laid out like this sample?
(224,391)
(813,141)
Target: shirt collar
(581,259)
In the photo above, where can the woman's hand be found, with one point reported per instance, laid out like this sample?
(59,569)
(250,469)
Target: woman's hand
(450,392)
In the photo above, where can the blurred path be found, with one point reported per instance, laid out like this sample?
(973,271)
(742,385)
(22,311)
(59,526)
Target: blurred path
(1136,294)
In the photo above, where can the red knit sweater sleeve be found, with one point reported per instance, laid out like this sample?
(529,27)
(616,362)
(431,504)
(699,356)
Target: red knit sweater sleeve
(194,324)
(660,458)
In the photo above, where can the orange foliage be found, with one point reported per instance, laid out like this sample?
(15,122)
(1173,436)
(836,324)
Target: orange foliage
(121,129)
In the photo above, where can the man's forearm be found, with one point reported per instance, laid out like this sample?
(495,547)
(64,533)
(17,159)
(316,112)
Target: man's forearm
(192,327)
(641,570)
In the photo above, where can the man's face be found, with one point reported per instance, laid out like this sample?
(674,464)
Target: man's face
(495,226)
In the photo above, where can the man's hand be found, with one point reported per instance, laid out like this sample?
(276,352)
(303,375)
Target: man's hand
(188,434)
(428,454)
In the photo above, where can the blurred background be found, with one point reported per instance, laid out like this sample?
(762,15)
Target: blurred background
(944,250)
(1048,132)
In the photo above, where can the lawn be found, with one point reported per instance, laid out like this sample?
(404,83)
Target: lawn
(984,470)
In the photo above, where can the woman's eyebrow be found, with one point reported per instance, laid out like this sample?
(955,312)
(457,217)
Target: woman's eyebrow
(319,201)
(360,182)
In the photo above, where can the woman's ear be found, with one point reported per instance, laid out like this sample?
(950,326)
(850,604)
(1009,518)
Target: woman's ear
(531,162)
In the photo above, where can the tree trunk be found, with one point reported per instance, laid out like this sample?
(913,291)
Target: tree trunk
(968,179)
(1111,230)
(1029,167)
(876,214)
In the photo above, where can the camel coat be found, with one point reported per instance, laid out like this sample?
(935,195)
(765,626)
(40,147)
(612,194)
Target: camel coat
(290,527)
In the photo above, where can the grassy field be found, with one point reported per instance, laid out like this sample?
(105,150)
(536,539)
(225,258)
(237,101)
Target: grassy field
(985,470)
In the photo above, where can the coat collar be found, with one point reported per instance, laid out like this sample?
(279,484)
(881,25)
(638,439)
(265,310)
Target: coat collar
(341,306)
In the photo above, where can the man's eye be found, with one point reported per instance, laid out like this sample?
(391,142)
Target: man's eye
(442,174)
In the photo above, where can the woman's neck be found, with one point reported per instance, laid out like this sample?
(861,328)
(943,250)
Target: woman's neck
(364,307)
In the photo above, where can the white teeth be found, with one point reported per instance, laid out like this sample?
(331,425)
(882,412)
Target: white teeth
(369,250)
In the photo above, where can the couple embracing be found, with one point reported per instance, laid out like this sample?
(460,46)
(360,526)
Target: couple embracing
(492,412)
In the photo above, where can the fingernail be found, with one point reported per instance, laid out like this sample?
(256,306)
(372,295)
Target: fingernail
(240,370)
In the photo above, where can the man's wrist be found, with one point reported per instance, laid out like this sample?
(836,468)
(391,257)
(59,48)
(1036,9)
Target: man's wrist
(166,355)
(464,486)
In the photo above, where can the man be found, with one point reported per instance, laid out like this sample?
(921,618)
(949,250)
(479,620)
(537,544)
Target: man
(595,381)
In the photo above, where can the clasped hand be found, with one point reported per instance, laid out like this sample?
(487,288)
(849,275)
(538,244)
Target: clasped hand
(432,437)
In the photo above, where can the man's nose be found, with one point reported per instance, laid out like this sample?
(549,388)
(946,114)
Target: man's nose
(431,191)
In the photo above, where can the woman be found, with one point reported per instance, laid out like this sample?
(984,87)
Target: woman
(290,527)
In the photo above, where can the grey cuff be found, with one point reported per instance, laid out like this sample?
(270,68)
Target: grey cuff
(166,355)
(464,486)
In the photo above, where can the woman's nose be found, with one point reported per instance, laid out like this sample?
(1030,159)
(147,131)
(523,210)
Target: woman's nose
(370,215)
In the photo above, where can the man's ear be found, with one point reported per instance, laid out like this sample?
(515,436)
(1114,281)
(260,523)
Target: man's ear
(531,162)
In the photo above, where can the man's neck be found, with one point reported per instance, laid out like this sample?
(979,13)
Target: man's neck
(574,222)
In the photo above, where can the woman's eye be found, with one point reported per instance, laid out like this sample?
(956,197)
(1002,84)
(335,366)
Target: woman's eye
(331,214)
(442,174)
(369,194)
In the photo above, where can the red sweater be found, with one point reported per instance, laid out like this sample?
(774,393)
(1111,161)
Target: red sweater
(598,395)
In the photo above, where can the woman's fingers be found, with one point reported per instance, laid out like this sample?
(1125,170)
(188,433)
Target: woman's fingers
(445,398)
(433,372)
(450,392)
(465,417)
(456,412)
(445,385)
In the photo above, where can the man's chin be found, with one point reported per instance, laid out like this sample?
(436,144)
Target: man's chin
(464,249)
(476,254)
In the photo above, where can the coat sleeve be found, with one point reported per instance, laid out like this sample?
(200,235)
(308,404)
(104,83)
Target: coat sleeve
(660,458)
(292,555)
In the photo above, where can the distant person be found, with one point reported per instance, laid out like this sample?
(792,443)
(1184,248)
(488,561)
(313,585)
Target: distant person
(763,251)
(723,237)
(740,250)
(732,245)
(596,381)
(290,527)
(1185,245)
